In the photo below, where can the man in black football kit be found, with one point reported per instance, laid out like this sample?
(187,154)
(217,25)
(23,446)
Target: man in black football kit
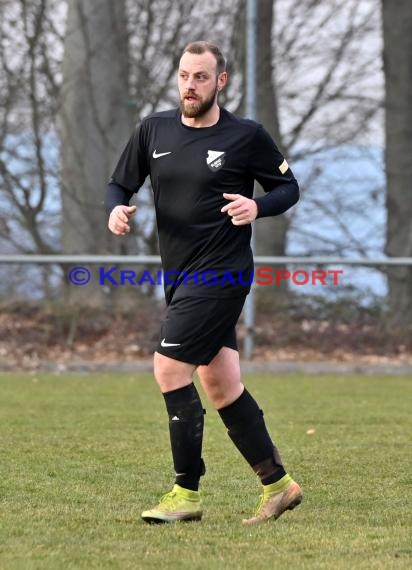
(202,162)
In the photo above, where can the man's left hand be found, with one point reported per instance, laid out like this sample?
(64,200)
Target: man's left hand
(242,210)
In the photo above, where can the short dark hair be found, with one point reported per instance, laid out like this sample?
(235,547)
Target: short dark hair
(203,47)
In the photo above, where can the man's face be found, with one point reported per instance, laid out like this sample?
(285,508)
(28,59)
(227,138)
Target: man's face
(198,83)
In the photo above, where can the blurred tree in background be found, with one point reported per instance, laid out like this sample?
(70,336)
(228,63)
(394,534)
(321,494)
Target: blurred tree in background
(94,116)
(30,72)
(397,30)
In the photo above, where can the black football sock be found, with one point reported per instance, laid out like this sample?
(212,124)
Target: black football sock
(186,435)
(246,428)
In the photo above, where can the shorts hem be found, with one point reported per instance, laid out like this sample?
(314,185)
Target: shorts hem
(193,361)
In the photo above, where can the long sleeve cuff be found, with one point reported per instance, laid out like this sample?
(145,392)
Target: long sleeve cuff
(278,200)
(115,196)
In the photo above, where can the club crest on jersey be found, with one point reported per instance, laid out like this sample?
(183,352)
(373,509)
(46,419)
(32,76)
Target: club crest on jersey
(215,159)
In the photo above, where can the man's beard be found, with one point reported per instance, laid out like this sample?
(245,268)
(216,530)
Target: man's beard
(199,108)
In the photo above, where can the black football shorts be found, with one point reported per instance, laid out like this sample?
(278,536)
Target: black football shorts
(196,328)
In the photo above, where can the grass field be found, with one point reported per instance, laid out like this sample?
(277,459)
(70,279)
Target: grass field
(82,456)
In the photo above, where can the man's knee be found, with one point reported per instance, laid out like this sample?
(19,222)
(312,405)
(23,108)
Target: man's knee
(221,391)
(171,374)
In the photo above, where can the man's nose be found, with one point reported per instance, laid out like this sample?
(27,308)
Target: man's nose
(191,83)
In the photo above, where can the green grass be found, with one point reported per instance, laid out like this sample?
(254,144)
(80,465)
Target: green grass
(82,456)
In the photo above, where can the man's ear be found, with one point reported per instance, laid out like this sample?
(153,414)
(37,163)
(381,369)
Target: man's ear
(221,80)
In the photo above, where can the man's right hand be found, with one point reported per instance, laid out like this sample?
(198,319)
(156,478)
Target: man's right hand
(119,219)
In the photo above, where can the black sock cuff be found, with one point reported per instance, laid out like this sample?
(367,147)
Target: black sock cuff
(243,409)
(184,402)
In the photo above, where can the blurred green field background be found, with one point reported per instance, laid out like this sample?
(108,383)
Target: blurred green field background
(82,455)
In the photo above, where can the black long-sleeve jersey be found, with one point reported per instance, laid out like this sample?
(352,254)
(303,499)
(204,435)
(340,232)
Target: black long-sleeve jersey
(202,252)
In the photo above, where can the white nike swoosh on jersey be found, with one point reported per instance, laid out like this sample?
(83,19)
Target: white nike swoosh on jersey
(159,154)
(166,344)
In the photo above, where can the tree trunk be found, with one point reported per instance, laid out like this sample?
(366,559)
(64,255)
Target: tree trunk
(397,26)
(270,232)
(95,121)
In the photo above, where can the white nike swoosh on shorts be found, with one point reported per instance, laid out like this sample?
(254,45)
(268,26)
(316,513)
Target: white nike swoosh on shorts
(166,344)
(159,154)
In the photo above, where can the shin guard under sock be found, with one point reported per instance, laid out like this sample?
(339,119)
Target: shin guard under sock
(246,428)
(186,435)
